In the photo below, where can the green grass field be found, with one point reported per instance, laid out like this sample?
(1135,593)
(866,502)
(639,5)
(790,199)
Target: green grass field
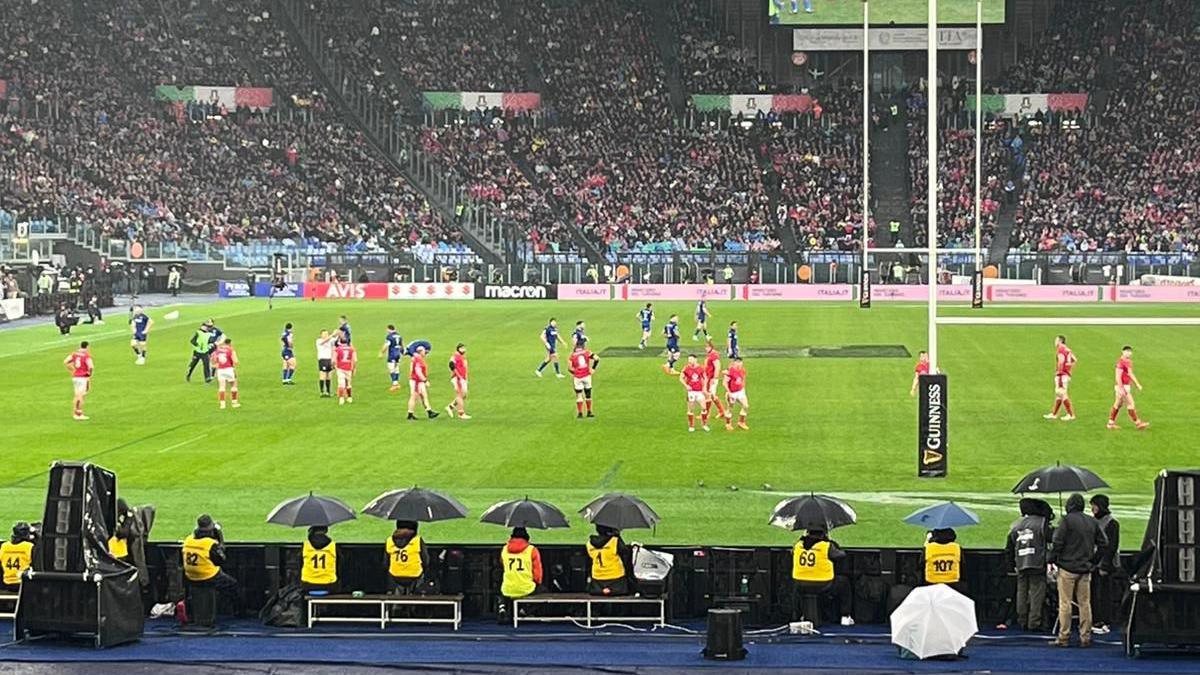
(845,426)
(883,12)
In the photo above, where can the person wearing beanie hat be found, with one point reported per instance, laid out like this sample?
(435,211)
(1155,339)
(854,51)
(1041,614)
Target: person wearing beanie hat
(15,556)
(319,561)
(203,554)
(1108,563)
(522,566)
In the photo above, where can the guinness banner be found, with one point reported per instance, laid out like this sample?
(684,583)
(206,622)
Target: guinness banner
(864,289)
(932,460)
(977,290)
(515,292)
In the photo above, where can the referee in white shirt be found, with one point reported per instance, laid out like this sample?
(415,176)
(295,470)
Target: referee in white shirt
(325,345)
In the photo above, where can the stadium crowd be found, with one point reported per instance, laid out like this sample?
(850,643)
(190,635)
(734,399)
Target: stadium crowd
(606,157)
(1127,181)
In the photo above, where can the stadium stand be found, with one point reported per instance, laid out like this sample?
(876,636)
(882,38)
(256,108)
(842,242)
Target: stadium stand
(607,159)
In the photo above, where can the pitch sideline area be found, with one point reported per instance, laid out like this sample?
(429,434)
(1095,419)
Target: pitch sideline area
(840,425)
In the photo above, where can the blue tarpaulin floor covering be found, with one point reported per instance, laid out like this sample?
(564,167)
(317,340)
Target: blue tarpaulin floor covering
(857,649)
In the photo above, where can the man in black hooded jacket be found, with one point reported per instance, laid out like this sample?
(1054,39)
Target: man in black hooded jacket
(1075,545)
(1108,561)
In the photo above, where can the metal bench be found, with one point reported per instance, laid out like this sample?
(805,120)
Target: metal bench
(5,599)
(659,618)
(383,603)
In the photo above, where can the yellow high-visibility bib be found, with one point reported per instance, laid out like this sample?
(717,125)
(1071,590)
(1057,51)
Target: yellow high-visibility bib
(320,564)
(405,563)
(606,564)
(14,558)
(518,573)
(197,565)
(118,547)
(812,564)
(943,563)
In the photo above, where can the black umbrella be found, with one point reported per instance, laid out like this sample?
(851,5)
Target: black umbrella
(417,504)
(620,512)
(1059,478)
(812,512)
(525,513)
(311,510)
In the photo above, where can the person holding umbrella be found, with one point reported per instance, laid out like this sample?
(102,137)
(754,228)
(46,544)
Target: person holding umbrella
(1075,545)
(522,565)
(407,558)
(319,553)
(941,558)
(319,571)
(813,557)
(520,561)
(611,559)
(1026,549)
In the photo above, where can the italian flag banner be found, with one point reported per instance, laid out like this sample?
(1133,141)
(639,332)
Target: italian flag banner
(752,104)
(1029,104)
(256,98)
(482,100)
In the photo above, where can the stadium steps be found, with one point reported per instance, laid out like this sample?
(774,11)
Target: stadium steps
(489,238)
(771,180)
(561,212)
(891,187)
(666,40)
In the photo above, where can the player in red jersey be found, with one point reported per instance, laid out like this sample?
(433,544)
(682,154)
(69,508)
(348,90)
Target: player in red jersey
(458,378)
(712,380)
(418,384)
(735,392)
(79,363)
(922,368)
(582,364)
(1125,377)
(692,379)
(1064,362)
(345,362)
(225,360)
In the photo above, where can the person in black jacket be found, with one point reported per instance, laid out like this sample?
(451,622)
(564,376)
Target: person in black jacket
(611,562)
(1026,550)
(1075,545)
(1107,563)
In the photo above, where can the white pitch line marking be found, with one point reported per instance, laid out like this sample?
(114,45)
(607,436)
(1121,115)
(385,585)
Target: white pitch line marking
(183,443)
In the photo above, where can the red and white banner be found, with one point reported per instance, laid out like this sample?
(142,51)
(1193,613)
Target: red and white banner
(843,292)
(1154,293)
(380,291)
(585,292)
(998,293)
(676,292)
(431,291)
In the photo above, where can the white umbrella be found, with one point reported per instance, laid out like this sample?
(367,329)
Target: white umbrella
(934,621)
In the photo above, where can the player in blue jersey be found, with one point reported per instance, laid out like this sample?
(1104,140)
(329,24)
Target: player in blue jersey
(646,316)
(287,352)
(550,342)
(731,343)
(343,329)
(139,326)
(393,347)
(579,338)
(671,332)
(702,315)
